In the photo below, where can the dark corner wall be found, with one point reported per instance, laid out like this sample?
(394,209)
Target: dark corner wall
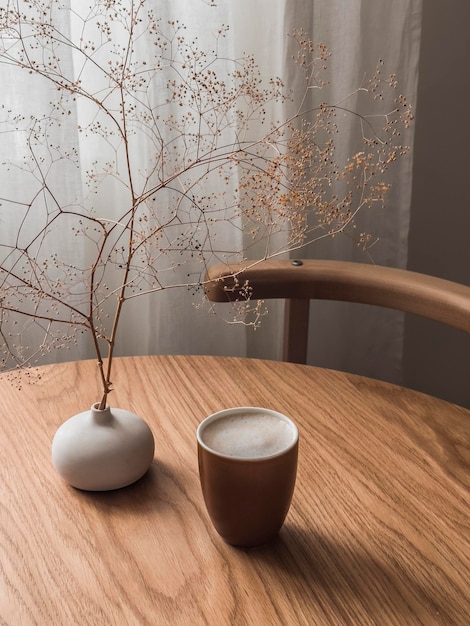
(436,358)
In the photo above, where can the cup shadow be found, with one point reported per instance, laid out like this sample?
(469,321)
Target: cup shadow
(318,566)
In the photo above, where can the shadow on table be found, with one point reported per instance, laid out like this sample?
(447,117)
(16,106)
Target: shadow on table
(319,567)
(140,497)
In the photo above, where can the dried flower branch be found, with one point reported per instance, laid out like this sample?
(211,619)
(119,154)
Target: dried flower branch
(214,159)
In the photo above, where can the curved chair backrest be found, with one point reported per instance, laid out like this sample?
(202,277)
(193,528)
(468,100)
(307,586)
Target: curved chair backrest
(299,281)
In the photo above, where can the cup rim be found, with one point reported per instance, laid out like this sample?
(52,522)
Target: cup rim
(246,409)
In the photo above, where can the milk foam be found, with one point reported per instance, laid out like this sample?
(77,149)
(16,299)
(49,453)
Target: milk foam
(248,435)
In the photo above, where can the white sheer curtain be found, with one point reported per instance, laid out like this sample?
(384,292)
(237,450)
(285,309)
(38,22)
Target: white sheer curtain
(359,33)
(356,338)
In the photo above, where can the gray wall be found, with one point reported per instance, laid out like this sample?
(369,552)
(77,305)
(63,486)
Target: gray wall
(437,359)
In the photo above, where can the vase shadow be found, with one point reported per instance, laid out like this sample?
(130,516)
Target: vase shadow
(140,497)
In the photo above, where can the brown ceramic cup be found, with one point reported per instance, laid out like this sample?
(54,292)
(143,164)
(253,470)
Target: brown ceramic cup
(247,467)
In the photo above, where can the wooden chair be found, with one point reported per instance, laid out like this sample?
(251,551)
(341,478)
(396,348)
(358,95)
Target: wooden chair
(299,281)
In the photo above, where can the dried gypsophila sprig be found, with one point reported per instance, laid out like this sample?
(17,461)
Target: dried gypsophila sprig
(214,159)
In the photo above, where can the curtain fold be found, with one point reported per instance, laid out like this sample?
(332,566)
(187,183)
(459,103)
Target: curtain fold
(351,337)
(359,33)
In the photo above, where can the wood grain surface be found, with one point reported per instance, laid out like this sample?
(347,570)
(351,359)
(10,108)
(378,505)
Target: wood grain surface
(378,532)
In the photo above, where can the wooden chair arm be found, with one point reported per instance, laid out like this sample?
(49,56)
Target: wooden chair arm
(435,298)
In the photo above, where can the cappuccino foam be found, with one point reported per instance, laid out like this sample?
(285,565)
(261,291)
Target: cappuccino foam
(248,435)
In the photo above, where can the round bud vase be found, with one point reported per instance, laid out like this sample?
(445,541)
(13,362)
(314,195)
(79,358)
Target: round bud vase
(100,450)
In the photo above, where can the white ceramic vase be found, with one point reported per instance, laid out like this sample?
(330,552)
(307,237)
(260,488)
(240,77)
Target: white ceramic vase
(100,450)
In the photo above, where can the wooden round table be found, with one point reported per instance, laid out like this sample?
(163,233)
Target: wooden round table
(378,531)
